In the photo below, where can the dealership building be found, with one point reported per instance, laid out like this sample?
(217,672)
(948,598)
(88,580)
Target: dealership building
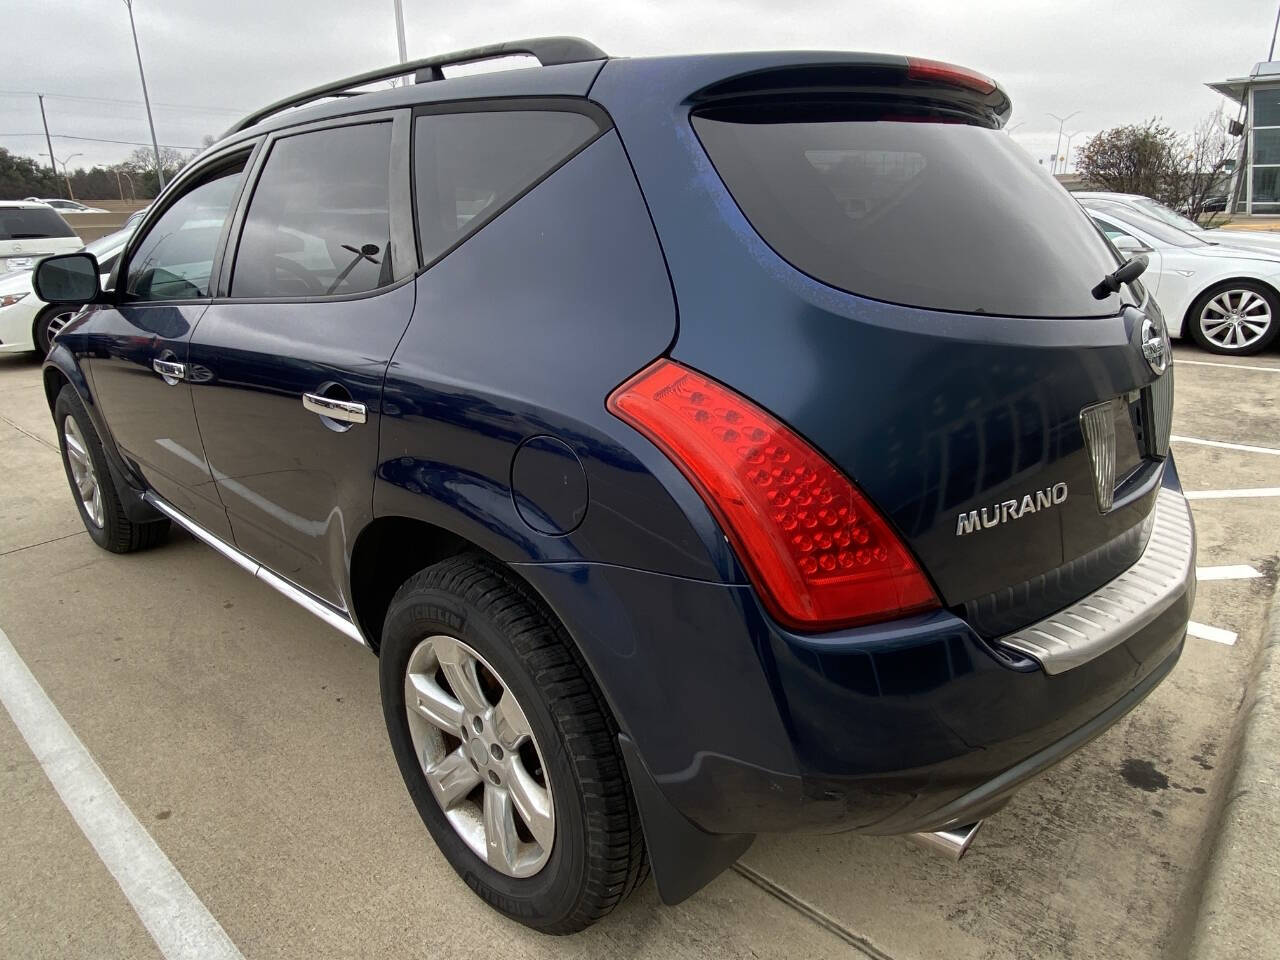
(1255,187)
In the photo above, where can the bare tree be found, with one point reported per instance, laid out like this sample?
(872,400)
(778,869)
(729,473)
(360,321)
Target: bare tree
(1202,165)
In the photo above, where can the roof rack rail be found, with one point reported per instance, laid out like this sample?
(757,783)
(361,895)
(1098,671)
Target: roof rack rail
(548,51)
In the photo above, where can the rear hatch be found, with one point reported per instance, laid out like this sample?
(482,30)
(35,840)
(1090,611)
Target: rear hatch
(32,230)
(935,332)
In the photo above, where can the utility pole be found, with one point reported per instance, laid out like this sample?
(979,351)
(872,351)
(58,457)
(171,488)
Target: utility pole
(155,145)
(65,176)
(1057,151)
(47,141)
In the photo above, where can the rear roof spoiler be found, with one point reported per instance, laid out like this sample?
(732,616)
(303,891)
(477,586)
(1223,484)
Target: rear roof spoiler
(548,51)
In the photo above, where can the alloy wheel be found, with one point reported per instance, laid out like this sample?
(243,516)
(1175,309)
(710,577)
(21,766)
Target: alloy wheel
(57,322)
(82,472)
(1235,319)
(479,756)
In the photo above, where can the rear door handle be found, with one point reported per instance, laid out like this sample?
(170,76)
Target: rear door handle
(172,372)
(346,411)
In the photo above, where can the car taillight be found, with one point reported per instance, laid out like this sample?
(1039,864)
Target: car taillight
(819,554)
(935,71)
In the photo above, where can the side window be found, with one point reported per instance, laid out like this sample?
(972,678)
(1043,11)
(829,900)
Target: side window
(1113,232)
(175,258)
(318,223)
(468,166)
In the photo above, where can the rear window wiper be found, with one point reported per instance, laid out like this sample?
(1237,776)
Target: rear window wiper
(1128,272)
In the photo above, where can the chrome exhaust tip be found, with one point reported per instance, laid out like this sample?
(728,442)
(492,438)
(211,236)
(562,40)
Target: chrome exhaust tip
(952,843)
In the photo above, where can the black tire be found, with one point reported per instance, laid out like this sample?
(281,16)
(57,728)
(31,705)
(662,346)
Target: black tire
(597,858)
(116,532)
(1194,320)
(40,334)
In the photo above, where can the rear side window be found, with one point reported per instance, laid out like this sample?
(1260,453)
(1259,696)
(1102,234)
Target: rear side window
(174,260)
(32,223)
(469,166)
(947,216)
(319,222)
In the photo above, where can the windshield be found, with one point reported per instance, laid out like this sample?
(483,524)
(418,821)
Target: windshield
(1156,209)
(942,215)
(1156,228)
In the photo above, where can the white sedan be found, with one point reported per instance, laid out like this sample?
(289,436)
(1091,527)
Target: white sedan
(1263,241)
(66,207)
(1224,298)
(26,321)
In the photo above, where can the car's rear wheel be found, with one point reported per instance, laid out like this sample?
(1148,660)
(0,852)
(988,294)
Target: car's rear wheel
(94,490)
(48,323)
(507,748)
(1240,317)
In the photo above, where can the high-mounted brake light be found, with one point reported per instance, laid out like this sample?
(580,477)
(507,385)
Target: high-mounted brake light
(819,554)
(935,71)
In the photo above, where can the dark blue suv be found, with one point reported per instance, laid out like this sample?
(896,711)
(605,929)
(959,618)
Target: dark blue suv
(706,445)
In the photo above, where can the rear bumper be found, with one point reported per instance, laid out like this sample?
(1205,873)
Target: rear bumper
(744,727)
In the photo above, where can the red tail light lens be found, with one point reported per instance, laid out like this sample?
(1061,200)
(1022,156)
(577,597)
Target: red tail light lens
(819,554)
(934,71)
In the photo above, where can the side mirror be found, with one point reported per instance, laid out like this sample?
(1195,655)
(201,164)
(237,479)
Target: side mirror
(1130,245)
(68,278)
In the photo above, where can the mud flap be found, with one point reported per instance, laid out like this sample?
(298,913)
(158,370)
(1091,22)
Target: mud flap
(684,858)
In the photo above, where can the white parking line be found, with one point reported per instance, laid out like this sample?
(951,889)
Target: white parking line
(1230,366)
(1243,492)
(1206,632)
(1247,448)
(174,916)
(1239,571)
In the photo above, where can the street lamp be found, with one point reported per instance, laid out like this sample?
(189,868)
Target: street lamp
(1057,151)
(1066,159)
(155,145)
(70,195)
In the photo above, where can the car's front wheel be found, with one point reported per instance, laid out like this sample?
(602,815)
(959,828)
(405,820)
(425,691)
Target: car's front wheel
(1240,317)
(49,321)
(94,490)
(507,748)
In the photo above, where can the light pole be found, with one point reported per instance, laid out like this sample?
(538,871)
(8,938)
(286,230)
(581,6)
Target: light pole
(146,99)
(70,194)
(1057,151)
(1066,160)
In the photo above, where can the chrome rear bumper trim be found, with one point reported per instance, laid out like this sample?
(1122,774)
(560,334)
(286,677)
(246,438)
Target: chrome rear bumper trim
(1110,615)
(313,605)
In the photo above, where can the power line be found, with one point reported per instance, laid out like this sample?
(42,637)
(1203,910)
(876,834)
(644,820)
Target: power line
(133,103)
(131,143)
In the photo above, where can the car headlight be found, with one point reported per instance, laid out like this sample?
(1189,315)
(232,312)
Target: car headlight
(20,263)
(9,299)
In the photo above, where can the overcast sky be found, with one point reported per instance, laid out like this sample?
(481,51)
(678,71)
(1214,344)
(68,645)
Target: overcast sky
(208,62)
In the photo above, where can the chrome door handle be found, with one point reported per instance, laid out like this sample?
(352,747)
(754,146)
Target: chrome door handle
(344,410)
(172,372)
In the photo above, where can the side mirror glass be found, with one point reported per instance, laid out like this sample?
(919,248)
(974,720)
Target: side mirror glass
(68,278)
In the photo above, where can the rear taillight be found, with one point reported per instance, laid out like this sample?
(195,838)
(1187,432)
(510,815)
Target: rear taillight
(819,554)
(935,71)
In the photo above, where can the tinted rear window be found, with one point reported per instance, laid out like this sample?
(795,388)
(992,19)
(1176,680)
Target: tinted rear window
(941,215)
(32,223)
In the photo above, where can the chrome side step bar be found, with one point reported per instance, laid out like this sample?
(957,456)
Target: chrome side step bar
(313,605)
(951,843)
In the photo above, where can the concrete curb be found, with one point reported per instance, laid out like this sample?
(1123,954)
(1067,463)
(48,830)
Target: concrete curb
(1237,911)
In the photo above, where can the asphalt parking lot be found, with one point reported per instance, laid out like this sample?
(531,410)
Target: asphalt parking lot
(247,739)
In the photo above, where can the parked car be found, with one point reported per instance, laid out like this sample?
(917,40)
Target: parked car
(67,207)
(27,322)
(1120,203)
(28,231)
(1223,297)
(861,543)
